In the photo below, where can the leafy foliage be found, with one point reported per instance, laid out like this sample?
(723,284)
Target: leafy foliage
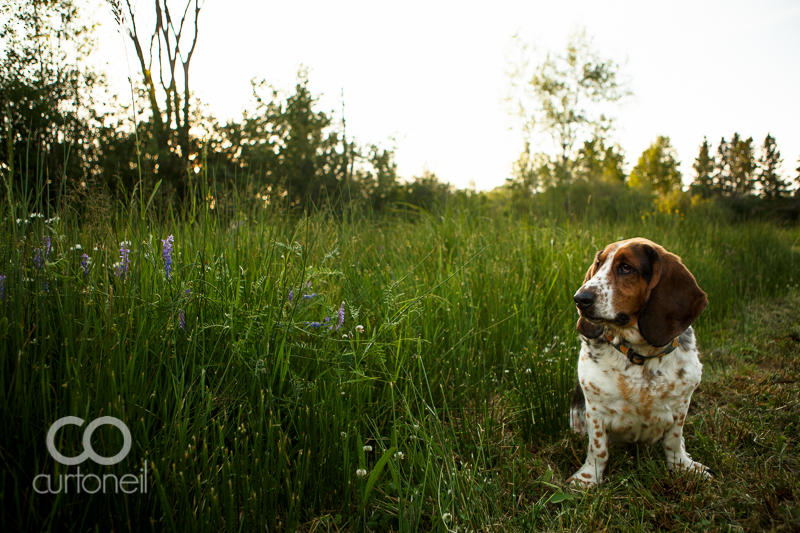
(47,108)
(657,168)
(564,97)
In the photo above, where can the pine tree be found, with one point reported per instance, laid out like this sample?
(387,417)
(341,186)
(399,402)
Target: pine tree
(722,176)
(743,166)
(704,167)
(797,178)
(772,185)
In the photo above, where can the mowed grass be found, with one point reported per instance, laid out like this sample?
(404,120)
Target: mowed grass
(439,403)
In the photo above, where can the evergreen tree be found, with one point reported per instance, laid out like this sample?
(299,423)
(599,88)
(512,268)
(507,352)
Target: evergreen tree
(797,179)
(704,167)
(721,178)
(657,168)
(772,185)
(743,166)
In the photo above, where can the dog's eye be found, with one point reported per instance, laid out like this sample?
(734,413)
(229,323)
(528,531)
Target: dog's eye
(625,268)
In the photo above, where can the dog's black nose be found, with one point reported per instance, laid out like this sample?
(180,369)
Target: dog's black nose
(584,299)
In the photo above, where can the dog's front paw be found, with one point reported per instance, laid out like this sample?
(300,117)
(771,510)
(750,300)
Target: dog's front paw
(583,480)
(694,466)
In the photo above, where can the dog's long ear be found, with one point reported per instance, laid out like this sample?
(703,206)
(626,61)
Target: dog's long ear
(586,328)
(675,300)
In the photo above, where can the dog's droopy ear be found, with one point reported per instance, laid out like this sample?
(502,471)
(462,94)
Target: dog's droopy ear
(674,303)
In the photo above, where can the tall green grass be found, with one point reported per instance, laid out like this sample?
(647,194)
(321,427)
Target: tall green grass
(250,415)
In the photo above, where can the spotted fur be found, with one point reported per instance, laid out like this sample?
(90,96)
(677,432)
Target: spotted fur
(643,296)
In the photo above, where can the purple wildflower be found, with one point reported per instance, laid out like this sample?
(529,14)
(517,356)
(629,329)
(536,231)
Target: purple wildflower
(42,254)
(85,265)
(291,296)
(167,253)
(2,287)
(341,317)
(124,258)
(309,296)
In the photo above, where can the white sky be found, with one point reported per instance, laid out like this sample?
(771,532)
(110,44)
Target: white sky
(431,75)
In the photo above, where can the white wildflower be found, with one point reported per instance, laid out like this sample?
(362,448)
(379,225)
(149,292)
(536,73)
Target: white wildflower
(367,448)
(361,472)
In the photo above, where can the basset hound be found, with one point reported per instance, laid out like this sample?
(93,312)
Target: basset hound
(638,363)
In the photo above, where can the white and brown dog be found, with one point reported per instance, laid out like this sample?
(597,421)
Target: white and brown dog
(638,362)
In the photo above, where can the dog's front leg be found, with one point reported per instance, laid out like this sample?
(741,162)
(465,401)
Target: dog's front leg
(675,449)
(591,473)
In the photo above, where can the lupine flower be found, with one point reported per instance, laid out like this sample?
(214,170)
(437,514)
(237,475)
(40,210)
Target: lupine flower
(85,265)
(167,253)
(341,317)
(124,258)
(2,287)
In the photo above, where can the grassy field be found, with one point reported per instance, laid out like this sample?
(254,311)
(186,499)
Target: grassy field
(409,372)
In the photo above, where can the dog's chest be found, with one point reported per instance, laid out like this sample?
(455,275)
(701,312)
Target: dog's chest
(637,403)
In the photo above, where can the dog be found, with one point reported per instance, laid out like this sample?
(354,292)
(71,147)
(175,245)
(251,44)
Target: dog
(638,363)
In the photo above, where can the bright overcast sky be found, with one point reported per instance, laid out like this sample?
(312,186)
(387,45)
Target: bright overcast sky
(431,75)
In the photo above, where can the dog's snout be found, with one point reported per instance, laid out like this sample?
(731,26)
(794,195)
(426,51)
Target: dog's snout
(584,299)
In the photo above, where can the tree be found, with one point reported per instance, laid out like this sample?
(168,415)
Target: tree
(47,115)
(797,179)
(703,166)
(736,167)
(721,177)
(165,65)
(772,185)
(289,150)
(564,97)
(657,168)
(743,166)
(597,162)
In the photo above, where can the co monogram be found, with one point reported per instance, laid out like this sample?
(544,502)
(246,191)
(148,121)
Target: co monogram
(88,452)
